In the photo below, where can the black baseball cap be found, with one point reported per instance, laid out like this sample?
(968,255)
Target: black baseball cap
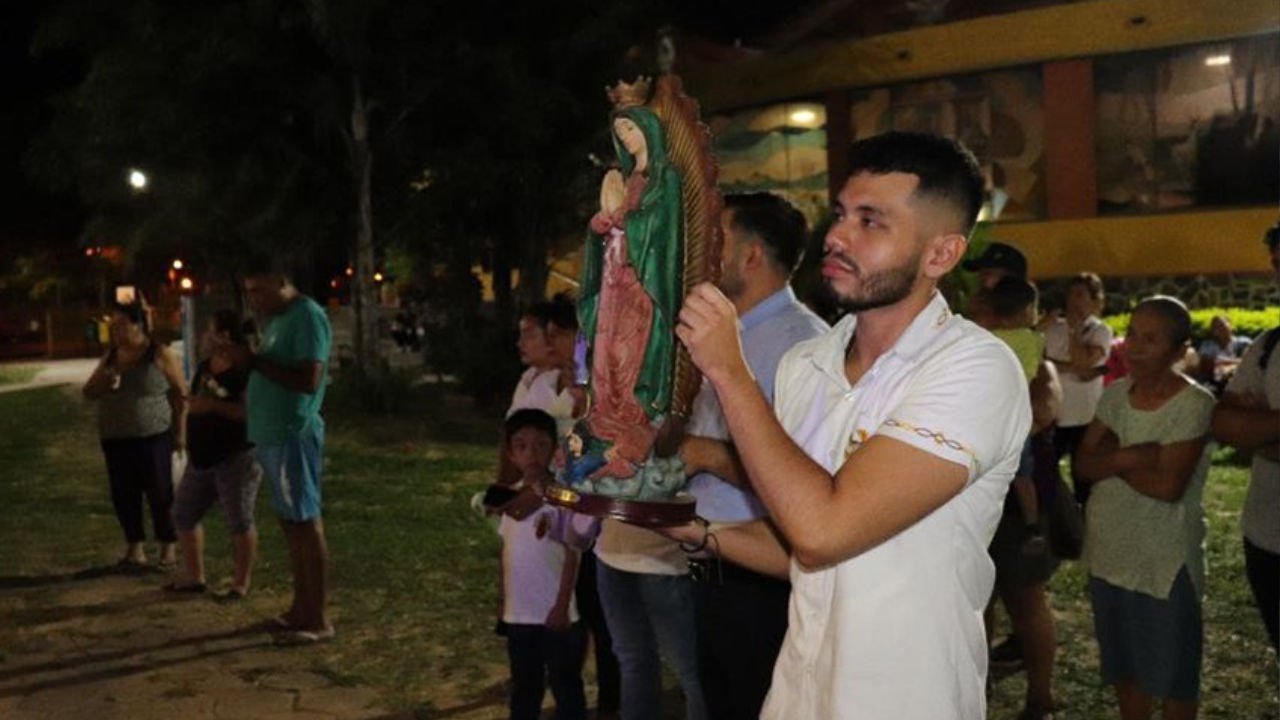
(999,255)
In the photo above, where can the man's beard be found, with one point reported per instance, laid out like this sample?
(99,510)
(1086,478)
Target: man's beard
(876,290)
(731,282)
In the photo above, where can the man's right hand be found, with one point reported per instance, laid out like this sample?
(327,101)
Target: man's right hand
(709,329)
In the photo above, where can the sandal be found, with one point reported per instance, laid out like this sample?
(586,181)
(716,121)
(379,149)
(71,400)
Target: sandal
(185,588)
(231,595)
(305,637)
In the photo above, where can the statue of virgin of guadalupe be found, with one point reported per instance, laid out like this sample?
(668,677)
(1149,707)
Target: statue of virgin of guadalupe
(631,292)
(636,264)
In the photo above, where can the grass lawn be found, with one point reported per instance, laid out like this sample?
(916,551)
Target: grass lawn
(14,374)
(414,570)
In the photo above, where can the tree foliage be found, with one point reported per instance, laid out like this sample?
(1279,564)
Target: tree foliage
(334,130)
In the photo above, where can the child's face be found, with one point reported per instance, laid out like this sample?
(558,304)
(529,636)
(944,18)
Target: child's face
(533,346)
(560,343)
(1079,302)
(531,450)
(1148,344)
(1030,314)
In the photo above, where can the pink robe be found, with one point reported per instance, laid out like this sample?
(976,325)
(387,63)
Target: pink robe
(622,334)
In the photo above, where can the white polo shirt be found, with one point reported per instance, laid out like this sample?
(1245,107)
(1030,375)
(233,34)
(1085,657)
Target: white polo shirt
(896,633)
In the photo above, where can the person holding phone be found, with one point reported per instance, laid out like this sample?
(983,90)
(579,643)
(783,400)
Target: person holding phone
(140,392)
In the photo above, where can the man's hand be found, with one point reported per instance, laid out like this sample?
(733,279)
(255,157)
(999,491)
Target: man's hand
(236,355)
(691,533)
(701,454)
(558,618)
(709,329)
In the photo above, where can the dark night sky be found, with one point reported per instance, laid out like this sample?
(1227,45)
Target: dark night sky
(31,215)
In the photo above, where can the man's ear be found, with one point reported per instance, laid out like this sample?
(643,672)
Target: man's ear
(753,255)
(942,253)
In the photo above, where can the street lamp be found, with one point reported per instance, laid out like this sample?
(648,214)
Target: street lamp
(137,179)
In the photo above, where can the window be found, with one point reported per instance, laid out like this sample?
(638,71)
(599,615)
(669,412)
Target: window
(779,148)
(997,115)
(1190,126)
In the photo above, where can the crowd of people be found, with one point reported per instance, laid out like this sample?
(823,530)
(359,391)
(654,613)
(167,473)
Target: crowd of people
(250,416)
(867,491)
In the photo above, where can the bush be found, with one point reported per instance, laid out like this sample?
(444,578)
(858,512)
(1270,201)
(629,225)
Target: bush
(356,391)
(1246,322)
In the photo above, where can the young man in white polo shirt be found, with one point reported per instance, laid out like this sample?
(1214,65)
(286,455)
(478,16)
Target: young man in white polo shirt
(895,438)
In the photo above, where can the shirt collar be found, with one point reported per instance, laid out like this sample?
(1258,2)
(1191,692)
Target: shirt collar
(768,307)
(829,356)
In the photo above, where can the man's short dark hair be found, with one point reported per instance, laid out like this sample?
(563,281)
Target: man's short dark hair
(1271,237)
(260,263)
(780,227)
(529,417)
(1011,296)
(558,311)
(946,168)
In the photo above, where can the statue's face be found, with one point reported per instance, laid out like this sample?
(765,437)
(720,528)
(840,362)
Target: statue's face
(629,135)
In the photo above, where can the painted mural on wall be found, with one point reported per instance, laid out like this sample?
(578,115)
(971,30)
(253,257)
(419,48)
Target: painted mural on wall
(779,148)
(1192,126)
(998,115)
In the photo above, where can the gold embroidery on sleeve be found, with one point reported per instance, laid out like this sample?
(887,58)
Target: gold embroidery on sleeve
(934,435)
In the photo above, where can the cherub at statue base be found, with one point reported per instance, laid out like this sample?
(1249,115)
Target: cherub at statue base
(603,483)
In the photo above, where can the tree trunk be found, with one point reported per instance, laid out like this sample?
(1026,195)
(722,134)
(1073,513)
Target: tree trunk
(364,297)
(504,307)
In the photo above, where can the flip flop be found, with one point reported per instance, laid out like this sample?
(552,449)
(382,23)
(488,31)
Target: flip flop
(305,637)
(232,595)
(185,588)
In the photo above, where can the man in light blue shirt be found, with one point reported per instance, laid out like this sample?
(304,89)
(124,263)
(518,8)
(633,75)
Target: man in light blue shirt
(742,615)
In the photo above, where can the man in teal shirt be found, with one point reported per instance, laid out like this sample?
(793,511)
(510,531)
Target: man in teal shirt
(286,391)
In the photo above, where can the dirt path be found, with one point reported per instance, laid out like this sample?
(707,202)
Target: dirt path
(103,645)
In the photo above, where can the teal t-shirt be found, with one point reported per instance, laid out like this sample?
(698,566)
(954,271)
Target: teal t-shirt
(299,334)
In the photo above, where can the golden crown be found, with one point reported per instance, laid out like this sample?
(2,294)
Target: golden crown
(625,95)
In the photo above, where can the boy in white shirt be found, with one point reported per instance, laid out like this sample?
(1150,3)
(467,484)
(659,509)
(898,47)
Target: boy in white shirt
(545,642)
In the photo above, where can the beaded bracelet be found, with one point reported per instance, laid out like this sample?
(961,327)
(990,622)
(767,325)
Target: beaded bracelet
(706,533)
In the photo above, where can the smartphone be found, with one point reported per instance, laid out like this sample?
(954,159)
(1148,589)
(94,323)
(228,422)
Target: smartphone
(495,496)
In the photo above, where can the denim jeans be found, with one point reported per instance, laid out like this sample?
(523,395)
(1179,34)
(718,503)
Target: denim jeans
(648,616)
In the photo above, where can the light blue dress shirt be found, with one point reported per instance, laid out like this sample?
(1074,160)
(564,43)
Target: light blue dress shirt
(768,331)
